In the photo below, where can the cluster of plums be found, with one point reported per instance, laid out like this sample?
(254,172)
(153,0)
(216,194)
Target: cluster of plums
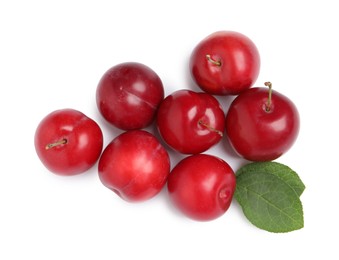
(260,125)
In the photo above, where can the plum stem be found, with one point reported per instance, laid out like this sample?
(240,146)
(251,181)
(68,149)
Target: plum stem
(269,100)
(60,142)
(210,128)
(215,62)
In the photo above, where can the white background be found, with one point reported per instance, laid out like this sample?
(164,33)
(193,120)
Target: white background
(52,55)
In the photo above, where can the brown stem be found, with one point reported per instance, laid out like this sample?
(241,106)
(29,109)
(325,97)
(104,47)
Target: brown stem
(269,100)
(215,62)
(60,142)
(210,128)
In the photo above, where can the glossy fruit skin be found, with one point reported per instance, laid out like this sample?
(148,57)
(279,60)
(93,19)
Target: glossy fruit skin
(134,165)
(257,134)
(129,94)
(84,142)
(182,121)
(201,186)
(239,68)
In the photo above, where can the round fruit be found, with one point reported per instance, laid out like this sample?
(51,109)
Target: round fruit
(134,165)
(190,122)
(262,125)
(225,63)
(202,186)
(68,142)
(129,94)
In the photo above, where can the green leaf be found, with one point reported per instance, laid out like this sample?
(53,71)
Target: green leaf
(269,196)
(282,171)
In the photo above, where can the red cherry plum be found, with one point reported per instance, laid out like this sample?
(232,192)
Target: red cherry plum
(68,142)
(261,127)
(190,122)
(134,165)
(225,63)
(201,186)
(129,94)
